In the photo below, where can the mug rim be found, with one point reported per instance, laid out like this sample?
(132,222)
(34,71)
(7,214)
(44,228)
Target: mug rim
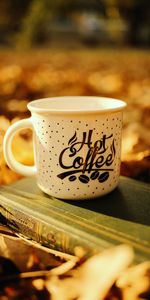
(109,105)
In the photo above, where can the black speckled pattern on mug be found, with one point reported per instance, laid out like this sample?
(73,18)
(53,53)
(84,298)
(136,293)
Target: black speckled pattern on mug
(53,135)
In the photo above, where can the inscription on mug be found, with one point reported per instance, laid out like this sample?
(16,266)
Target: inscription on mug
(96,164)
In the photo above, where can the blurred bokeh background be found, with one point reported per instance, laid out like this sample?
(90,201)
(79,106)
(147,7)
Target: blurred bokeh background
(76,47)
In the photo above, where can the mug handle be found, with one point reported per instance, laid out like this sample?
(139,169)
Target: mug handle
(7,148)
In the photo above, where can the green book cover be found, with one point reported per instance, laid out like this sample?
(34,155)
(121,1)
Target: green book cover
(95,224)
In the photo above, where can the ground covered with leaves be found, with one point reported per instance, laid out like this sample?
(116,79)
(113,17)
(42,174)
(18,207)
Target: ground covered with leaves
(30,271)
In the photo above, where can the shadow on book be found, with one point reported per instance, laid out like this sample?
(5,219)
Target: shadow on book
(130,202)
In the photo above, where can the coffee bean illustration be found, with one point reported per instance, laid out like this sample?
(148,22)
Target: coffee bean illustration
(103,176)
(72,178)
(95,175)
(84,178)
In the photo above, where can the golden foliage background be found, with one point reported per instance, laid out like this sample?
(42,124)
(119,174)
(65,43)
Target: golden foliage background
(123,74)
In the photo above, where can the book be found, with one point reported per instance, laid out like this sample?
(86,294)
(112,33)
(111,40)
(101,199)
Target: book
(95,224)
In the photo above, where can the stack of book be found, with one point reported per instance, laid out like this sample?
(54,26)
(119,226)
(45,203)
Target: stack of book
(123,216)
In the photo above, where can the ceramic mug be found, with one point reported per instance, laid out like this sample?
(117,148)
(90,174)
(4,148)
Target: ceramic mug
(77,145)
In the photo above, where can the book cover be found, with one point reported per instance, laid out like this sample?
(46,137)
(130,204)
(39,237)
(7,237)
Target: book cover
(65,225)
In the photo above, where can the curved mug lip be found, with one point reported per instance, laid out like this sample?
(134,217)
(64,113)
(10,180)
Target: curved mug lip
(80,104)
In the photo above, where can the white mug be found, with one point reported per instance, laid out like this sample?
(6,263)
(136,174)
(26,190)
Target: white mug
(77,145)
